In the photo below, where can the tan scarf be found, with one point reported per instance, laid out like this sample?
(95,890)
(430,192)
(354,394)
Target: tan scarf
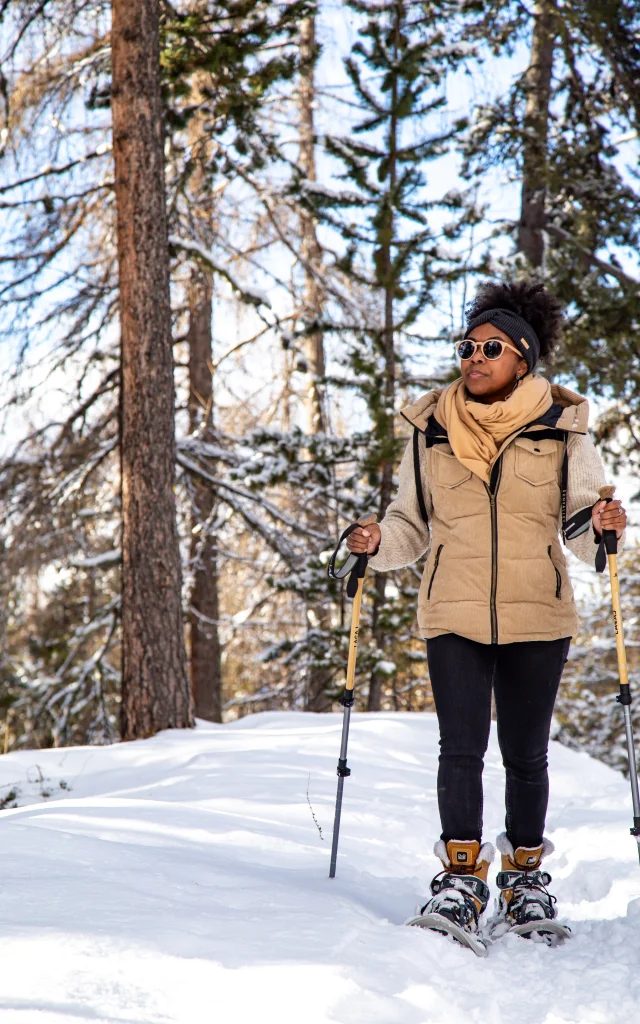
(476,430)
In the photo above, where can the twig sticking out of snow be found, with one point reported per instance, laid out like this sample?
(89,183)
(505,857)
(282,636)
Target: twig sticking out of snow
(311,809)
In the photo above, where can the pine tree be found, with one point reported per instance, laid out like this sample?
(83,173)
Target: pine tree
(556,135)
(535,136)
(397,69)
(613,26)
(230,47)
(155,688)
(311,252)
(205,651)
(221,61)
(318,613)
(265,488)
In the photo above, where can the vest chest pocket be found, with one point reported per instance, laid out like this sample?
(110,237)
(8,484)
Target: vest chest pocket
(447,471)
(537,462)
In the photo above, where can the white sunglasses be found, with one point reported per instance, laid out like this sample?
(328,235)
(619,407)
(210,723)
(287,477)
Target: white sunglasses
(491,349)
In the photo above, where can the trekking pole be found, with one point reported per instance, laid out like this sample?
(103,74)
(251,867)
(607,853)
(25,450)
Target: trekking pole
(610,543)
(355,567)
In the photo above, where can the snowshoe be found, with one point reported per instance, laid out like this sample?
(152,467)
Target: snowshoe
(525,906)
(459,894)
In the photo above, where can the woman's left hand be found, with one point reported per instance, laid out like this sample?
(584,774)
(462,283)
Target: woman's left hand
(609,515)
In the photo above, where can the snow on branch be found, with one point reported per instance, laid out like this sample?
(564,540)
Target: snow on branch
(103,561)
(248,293)
(204,449)
(48,169)
(607,268)
(344,197)
(276,539)
(273,510)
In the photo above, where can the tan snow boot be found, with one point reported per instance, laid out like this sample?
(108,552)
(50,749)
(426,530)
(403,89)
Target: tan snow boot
(524,897)
(468,858)
(459,894)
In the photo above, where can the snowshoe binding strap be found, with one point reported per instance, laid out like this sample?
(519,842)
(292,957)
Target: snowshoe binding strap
(456,897)
(530,900)
(508,879)
(462,883)
(354,566)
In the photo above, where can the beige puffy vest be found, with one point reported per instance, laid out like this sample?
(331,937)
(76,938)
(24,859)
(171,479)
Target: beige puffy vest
(496,572)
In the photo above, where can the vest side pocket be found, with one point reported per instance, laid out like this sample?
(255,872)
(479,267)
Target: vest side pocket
(558,576)
(434,570)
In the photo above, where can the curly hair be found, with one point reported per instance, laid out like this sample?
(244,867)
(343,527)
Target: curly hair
(531,300)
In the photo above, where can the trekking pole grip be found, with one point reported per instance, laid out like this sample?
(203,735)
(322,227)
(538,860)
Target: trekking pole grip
(610,537)
(358,572)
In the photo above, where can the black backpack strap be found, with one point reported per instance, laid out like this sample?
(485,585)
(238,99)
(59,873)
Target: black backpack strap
(418,476)
(544,434)
(435,433)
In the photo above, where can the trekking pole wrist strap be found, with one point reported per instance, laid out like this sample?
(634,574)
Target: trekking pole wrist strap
(607,543)
(354,566)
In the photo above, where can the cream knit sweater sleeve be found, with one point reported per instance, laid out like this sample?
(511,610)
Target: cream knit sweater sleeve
(586,477)
(404,536)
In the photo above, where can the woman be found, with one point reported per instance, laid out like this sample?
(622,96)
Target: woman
(500,464)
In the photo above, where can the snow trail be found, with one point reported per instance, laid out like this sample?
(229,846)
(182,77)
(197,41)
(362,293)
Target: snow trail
(182,880)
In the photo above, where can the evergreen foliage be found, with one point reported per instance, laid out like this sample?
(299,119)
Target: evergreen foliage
(392,254)
(591,205)
(393,246)
(61,270)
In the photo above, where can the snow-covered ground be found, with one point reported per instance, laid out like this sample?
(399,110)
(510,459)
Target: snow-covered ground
(182,879)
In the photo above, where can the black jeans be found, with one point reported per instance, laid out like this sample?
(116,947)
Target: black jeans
(525,678)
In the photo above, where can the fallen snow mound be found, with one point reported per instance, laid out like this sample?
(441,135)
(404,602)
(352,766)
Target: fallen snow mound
(183,879)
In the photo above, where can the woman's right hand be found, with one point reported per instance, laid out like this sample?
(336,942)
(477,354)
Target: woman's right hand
(364,539)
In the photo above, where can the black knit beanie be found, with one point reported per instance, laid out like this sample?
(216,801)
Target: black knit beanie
(515,327)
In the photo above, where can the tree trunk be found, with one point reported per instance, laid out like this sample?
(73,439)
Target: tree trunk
(386,417)
(155,686)
(310,250)
(318,614)
(536,130)
(205,651)
(206,664)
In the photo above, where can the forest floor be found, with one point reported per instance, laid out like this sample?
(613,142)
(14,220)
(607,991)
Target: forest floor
(183,879)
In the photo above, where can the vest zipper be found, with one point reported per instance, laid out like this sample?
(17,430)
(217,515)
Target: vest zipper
(434,571)
(558,576)
(492,490)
